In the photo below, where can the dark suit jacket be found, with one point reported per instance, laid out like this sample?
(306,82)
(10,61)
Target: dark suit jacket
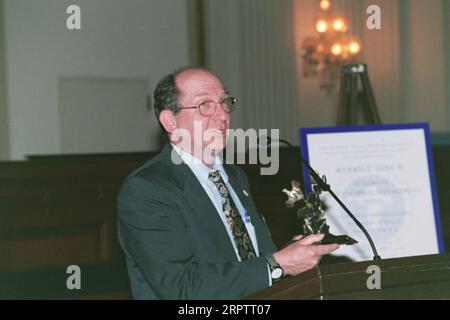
(175,243)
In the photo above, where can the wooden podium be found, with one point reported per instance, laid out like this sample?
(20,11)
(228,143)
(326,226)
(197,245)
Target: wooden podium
(421,277)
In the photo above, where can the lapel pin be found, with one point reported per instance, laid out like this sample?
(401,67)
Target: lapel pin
(245,192)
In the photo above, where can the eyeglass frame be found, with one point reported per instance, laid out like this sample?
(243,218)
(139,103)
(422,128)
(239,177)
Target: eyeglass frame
(233,99)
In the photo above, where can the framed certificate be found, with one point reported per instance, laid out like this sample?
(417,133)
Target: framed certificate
(385,176)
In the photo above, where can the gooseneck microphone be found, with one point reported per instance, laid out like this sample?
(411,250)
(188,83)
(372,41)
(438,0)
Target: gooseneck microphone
(326,187)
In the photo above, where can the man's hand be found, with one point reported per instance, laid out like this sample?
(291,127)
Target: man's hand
(303,254)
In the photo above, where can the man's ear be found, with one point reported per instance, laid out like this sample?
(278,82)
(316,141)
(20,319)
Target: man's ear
(167,120)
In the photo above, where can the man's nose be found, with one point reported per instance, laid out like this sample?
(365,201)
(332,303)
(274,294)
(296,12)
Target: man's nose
(221,113)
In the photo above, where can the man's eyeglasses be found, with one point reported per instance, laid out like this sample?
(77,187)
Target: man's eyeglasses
(209,107)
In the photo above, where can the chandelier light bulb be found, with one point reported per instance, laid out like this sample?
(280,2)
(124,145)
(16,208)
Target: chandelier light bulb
(321,26)
(339,25)
(325,4)
(354,47)
(336,49)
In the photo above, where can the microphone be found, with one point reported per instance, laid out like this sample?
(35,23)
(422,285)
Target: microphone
(326,187)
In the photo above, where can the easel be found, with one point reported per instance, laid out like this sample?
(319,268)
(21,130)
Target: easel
(351,99)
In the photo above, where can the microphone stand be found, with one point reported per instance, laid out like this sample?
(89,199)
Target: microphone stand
(326,187)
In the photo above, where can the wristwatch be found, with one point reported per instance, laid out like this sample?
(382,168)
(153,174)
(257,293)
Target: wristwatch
(276,271)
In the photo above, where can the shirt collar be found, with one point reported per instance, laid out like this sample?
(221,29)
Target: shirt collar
(200,170)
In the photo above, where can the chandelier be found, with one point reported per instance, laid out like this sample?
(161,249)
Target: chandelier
(330,48)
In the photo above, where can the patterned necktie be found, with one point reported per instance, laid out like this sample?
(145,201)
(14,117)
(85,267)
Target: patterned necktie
(241,237)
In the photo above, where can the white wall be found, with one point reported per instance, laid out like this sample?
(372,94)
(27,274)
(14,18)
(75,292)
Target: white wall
(118,39)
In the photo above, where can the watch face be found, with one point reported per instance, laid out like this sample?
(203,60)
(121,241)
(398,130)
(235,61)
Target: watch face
(277,273)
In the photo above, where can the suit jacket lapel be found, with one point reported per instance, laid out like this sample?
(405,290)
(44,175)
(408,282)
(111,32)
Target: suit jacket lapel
(203,208)
(207,215)
(237,187)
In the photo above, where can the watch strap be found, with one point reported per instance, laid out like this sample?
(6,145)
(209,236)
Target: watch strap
(273,265)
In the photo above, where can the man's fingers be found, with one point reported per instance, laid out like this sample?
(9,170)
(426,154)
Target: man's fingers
(297,237)
(325,249)
(309,240)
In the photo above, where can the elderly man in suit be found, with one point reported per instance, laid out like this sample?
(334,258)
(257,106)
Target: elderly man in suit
(187,223)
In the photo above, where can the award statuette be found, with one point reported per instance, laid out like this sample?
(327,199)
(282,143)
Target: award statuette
(311,215)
